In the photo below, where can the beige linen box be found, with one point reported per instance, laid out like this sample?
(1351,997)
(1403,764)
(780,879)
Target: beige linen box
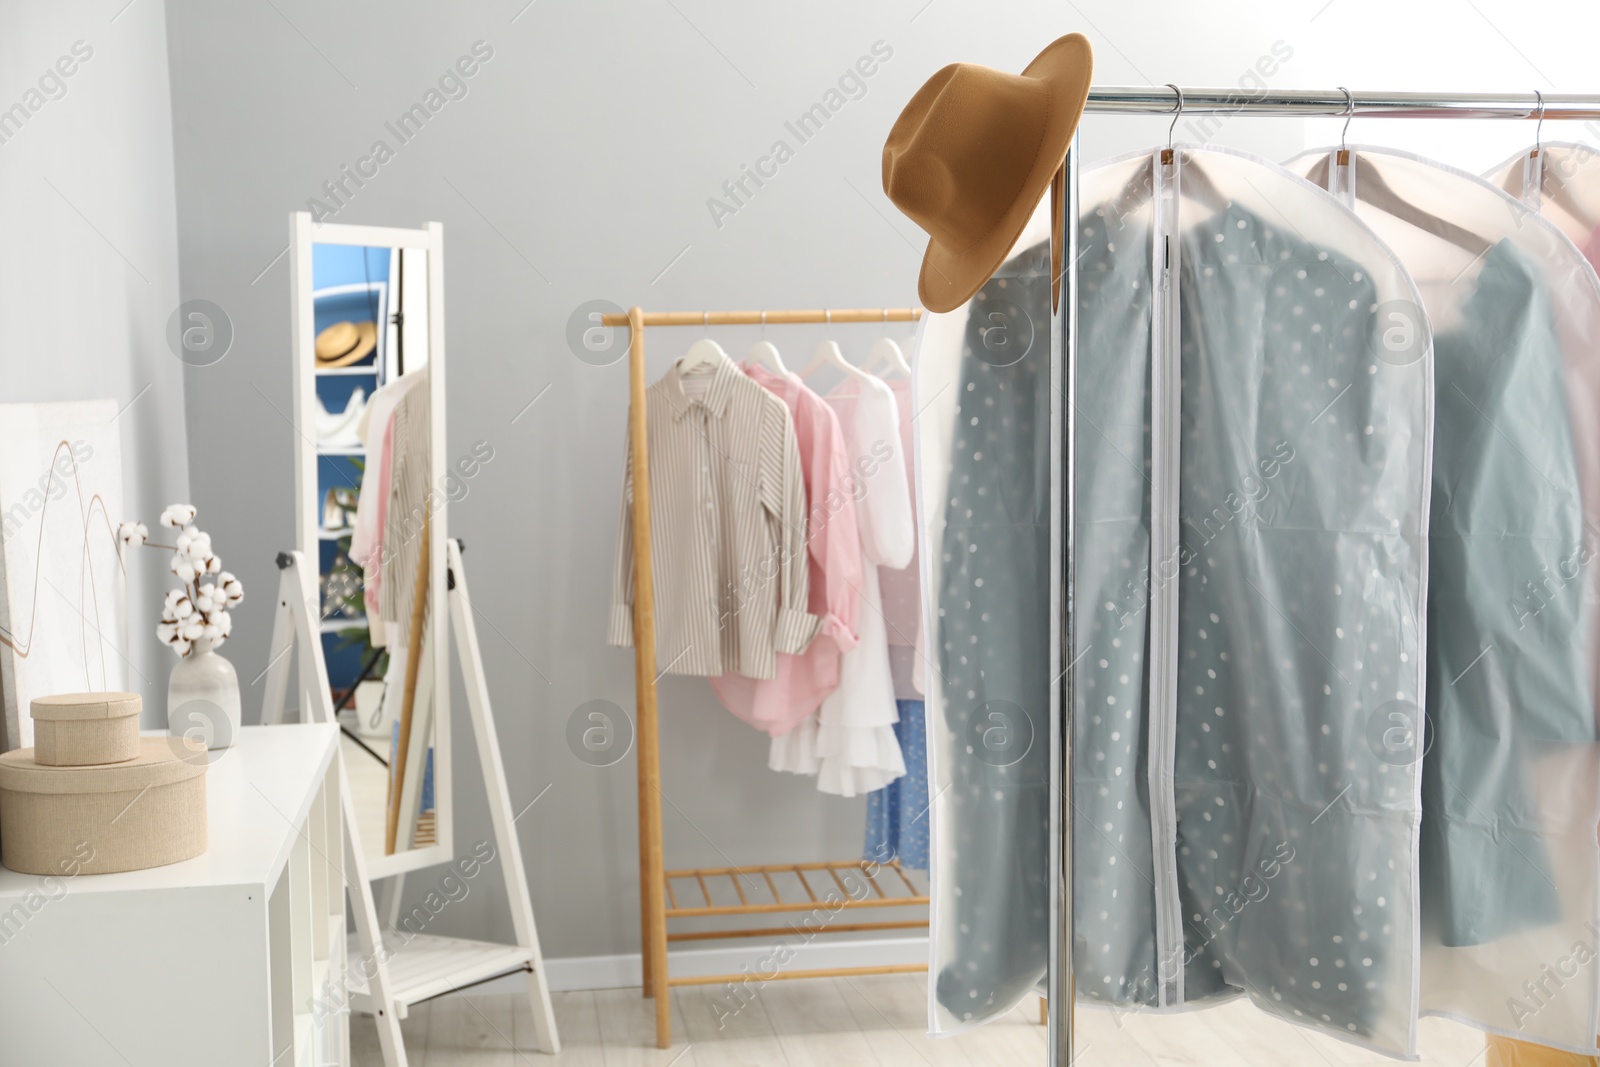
(80,729)
(146,812)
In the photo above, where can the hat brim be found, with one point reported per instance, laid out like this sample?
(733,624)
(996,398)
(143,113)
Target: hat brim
(367,340)
(949,277)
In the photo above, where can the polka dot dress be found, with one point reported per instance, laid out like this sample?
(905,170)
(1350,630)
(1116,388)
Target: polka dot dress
(992,652)
(1299,584)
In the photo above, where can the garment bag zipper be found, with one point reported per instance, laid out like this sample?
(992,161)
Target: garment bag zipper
(1165,434)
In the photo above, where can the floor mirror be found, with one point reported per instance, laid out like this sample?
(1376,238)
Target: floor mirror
(369,457)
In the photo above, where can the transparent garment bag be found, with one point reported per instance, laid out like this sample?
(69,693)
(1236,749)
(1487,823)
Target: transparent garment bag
(983,392)
(1510,802)
(1561,181)
(1250,569)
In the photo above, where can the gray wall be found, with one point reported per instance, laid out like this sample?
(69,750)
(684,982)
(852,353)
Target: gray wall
(89,256)
(578,167)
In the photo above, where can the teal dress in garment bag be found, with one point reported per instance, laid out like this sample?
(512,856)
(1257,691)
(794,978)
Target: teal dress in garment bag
(1508,633)
(1509,870)
(1270,583)
(992,630)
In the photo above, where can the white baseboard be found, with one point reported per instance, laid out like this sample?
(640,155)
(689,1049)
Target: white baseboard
(623,971)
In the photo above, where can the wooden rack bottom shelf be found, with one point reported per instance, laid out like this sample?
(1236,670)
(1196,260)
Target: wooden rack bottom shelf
(822,891)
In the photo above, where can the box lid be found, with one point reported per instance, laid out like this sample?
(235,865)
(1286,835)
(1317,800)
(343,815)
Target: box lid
(161,761)
(86,706)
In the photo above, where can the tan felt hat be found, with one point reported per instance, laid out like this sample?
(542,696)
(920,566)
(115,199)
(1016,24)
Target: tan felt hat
(971,156)
(345,343)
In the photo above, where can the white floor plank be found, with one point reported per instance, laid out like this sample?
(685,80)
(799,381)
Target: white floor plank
(628,1032)
(892,1011)
(815,1027)
(875,1021)
(725,1034)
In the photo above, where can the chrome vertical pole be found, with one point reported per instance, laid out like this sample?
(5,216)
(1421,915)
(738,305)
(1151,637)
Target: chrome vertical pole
(1064,377)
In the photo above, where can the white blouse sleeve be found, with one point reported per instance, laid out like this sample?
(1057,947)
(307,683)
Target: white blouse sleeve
(888,527)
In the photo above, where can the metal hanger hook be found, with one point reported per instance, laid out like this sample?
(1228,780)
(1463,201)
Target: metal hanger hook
(1538,130)
(763,325)
(1177,113)
(705,322)
(1349,113)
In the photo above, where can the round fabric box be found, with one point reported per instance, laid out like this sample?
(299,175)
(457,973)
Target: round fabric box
(78,729)
(146,812)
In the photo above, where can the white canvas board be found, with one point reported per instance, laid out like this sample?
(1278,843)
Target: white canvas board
(63,591)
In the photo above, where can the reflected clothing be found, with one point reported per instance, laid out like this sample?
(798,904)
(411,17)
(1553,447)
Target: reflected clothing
(897,814)
(727,517)
(409,449)
(833,545)
(1508,633)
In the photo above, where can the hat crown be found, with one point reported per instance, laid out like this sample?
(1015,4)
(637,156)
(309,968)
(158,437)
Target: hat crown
(962,150)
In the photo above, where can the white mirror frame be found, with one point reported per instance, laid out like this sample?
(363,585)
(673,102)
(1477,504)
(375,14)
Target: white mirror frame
(303,235)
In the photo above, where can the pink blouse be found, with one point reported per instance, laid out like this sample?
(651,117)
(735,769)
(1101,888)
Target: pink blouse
(778,704)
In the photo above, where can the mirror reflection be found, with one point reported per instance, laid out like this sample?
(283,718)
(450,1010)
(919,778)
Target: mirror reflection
(374,452)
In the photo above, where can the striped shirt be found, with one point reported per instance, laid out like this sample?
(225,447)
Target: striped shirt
(727,526)
(410,461)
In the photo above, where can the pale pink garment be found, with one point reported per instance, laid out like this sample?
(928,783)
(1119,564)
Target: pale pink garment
(372,506)
(902,586)
(851,745)
(1591,249)
(833,543)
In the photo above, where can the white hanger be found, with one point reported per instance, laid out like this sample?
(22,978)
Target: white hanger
(765,353)
(828,353)
(703,353)
(886,353)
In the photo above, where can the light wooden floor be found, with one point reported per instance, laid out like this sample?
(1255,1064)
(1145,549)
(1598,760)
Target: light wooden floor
(877,1021)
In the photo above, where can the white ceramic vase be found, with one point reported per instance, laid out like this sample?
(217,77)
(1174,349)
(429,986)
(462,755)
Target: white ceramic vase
(203,697)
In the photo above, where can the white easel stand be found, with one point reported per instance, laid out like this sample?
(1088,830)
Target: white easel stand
(397,976)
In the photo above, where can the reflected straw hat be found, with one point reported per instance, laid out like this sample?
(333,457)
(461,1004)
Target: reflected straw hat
(971,156)
(345,343)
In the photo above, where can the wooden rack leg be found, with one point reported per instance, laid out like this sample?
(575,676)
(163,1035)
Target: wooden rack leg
(652,903)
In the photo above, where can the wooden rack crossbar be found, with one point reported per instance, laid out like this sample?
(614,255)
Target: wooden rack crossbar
(766,318)
(655,882)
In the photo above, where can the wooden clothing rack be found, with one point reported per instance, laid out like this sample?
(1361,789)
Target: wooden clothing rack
(658,896)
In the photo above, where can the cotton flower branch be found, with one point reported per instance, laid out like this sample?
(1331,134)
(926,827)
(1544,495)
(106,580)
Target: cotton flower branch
(200,609)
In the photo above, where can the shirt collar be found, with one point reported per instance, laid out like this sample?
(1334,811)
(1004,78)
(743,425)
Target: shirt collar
(718,394)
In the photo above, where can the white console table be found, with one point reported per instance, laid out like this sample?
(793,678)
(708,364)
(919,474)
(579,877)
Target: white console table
(215,960)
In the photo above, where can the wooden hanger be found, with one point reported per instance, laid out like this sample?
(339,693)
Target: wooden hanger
(1195,182)
(1371,188)
(1551,184)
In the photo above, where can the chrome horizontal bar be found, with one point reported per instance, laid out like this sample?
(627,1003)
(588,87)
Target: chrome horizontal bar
(1161,100)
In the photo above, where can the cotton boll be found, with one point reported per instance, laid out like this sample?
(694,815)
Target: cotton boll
(133,534)
(230,587)
(181,647)
(224,623)
(193,629)
(210,633)
(178,515)
(184,570)
(214,565)
(166,632)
